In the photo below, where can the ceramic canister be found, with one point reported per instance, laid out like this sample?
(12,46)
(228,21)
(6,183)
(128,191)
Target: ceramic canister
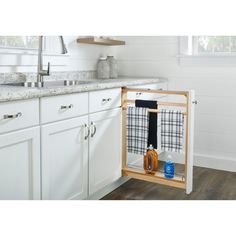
(113,67)
(103,68)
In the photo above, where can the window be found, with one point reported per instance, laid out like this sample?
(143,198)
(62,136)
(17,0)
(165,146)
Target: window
(214,45)
(23,51)
(207,51)
(19,42)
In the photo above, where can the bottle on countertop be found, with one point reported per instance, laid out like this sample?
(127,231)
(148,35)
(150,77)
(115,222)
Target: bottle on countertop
(103,69)
(169,168)
(150,163)
(113,67)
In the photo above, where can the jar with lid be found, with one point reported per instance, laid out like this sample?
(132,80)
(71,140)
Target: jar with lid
(103,69)
(113,67)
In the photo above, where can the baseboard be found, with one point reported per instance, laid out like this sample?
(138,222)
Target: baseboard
(202,160)
(111,187)
(213,162)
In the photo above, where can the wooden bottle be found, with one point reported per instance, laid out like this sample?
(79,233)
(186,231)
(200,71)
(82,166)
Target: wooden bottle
(150,163)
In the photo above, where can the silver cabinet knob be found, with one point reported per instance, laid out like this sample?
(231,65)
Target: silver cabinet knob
(194,102)
(14,116)
(63,107)
(106,99)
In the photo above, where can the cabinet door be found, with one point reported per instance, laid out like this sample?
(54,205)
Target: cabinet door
(20,165)
(104,149)
(65,159)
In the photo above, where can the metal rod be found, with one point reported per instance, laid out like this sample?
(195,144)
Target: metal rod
(156,111)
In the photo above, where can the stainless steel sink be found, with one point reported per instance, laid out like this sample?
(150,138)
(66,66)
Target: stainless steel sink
(48,84)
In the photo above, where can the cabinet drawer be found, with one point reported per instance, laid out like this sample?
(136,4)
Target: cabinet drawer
(104,99)
(63,107)
(146,96)
(18,115)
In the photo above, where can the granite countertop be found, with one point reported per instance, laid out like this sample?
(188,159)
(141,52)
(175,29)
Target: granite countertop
(13,93)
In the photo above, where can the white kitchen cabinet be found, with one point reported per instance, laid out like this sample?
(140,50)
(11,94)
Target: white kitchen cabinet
(63,107)
(65,159)
(76,155)
(104,149)
(104,100)
(20,165)
(18,115)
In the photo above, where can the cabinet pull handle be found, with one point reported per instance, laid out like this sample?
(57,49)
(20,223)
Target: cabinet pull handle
(194,102)
(106,99)
(19,114)
(139,94)
(94,129)
(67,107)
(88,131)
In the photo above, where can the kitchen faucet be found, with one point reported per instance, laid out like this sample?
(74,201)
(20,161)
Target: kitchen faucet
(41,72)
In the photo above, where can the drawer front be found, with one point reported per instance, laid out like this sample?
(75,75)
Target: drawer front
(146,96)
(18,115)
(104,99)
(63,107)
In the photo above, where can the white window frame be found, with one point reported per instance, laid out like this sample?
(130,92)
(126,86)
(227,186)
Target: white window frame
(21,48)
(24,57)
(186,57)
(195,50)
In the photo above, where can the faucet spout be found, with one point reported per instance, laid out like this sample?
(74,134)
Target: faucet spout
(40,71)
(64,49)
(40,60)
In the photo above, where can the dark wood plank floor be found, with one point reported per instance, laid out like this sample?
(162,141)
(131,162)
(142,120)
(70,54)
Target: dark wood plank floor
(209,184)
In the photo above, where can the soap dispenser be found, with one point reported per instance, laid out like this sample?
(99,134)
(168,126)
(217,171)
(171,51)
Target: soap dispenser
(150,163)
(169,168)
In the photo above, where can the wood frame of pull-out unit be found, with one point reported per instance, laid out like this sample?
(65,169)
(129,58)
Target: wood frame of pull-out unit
(183,182)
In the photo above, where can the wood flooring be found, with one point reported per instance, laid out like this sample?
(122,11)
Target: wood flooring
(208,184)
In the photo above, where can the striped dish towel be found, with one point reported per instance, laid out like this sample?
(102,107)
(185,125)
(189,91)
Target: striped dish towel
(137,129)
(172,130)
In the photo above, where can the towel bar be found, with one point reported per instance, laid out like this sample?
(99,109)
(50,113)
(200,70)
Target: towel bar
(155,111)
(174,104)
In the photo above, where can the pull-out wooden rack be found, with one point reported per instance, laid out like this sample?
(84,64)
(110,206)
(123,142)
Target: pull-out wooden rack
(183,182)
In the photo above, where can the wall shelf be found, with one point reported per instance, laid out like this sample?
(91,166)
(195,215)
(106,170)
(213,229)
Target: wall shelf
(101,41)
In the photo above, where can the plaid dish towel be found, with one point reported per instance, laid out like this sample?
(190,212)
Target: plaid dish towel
(172,130)
(137,129)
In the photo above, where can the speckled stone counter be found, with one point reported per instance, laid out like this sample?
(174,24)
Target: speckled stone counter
(13,93)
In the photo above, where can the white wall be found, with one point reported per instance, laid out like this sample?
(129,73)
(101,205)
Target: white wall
(85,56)
(215,126)
(80,57)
